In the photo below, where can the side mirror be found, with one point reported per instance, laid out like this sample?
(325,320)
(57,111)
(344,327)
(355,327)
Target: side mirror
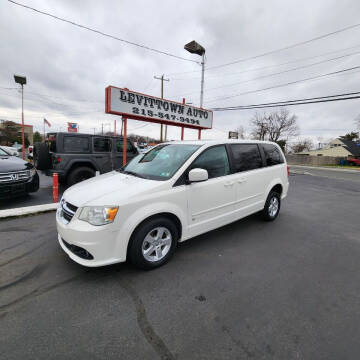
(197,175)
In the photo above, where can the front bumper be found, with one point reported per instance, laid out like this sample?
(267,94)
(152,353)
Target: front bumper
(101,242)
(8,190)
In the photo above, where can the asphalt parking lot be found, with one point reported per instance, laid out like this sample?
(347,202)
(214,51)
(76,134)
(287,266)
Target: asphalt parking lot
(43,196)
(283,290)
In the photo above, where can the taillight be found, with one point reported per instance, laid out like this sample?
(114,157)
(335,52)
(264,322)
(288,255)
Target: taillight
(288,170)
(57,159)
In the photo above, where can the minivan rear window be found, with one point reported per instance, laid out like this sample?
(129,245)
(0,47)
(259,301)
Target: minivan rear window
(272,155)
(246,157)
(76,143)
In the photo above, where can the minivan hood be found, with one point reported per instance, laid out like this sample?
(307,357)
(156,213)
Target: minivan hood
(13,163)
(111,188)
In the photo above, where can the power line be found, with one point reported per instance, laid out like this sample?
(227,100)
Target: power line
(286,84)
(232,73)
(278,73)
(274,51)
(338,97)
(101,32)
(288,47)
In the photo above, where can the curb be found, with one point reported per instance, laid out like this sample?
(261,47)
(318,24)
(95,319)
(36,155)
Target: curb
(28,210)
(324,168)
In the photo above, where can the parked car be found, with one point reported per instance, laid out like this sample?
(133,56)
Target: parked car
(10,150)
(17,177)
(172,193)
(77,157)
(30,152)
(353,161)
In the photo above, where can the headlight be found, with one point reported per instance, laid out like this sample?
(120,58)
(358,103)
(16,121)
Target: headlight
(32,172)
(98,215)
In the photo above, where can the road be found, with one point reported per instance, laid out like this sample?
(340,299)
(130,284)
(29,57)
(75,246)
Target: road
(339,174)
(43,196)
(251,290)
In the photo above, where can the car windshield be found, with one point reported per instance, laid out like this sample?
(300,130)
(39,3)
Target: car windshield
(160,163)
(3,152)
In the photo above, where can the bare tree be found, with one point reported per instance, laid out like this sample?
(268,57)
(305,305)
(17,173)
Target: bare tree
(259,124)
(302,145)
(278,125)
(241,132)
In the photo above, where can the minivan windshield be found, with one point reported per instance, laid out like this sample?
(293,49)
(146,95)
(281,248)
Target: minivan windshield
(3,152)
(160,163)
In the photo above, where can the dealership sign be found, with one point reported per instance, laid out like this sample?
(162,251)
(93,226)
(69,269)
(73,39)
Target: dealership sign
(134,105)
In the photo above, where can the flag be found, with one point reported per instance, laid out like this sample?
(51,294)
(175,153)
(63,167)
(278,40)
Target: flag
(72,127)
(47,123)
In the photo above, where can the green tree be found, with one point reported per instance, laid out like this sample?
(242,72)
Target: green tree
(282,144)
(350,136)
(8,132)
(37,137)
(26,140)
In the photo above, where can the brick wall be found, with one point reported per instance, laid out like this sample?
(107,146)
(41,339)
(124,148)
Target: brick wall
(313,160)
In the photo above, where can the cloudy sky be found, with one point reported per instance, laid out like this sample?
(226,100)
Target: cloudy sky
(68,68)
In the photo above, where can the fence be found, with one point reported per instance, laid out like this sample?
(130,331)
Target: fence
(313,160)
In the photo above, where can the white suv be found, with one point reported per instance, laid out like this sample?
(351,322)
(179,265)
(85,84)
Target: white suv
(172,193)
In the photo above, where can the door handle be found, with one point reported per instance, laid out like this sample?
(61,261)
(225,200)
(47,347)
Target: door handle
(230,183)
(241,180)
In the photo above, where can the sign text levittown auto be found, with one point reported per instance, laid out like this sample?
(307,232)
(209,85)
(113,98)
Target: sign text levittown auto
(139,106)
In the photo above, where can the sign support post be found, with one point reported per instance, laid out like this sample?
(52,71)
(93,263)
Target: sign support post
(124,140)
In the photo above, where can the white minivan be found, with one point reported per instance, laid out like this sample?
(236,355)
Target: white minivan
(170,194)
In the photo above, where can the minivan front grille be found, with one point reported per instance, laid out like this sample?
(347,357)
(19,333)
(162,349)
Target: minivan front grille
(14,176)
(68,210)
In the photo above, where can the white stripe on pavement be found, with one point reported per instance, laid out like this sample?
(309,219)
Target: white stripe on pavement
(28,210)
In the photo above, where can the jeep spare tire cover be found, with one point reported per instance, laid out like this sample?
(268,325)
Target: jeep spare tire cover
(42,157)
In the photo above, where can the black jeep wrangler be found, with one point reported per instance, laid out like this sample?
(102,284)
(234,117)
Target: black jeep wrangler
(76,157)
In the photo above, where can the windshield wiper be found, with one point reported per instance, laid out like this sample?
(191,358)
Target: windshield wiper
(132,173)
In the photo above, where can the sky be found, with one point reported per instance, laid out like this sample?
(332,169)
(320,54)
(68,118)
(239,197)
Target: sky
(68,68)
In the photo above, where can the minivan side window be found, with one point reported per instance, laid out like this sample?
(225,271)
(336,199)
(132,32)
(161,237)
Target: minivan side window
(76,144)
(246,157)
(102,145)
(120,146)
(214,160)
(272,155)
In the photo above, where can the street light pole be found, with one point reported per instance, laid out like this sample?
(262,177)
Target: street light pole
(202,79)
(22,122)
(195,48)
(22,81)
(162,96)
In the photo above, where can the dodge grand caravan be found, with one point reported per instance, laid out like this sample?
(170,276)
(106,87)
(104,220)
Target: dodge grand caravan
(172,193)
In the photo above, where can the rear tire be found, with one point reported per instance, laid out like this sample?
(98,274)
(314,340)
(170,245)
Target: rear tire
(272,206)
(42,157)
(153,243)
(80,174)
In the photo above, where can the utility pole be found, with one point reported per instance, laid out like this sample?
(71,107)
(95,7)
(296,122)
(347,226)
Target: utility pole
(202,79)
(162,96)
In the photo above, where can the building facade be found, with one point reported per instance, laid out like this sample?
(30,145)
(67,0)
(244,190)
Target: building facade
(337,148)
(28,131)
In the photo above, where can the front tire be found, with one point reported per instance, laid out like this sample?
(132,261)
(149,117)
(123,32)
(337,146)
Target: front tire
(79,174)
(272,206)
(153,243)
